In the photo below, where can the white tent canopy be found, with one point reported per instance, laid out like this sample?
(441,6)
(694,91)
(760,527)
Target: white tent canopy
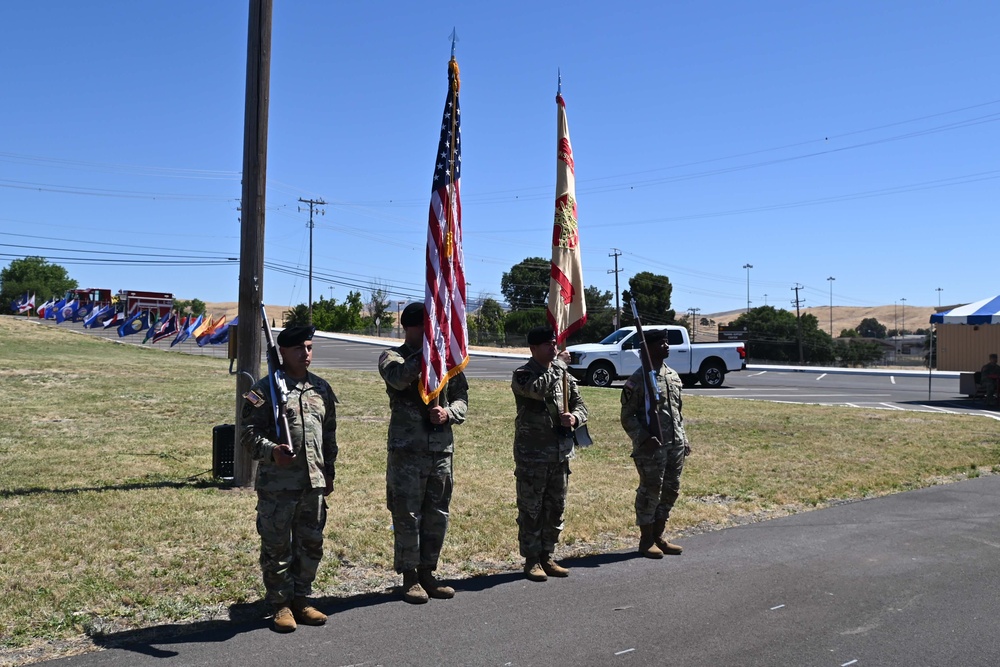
(986,311)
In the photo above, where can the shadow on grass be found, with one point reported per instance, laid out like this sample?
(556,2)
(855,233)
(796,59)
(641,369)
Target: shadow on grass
(128,486)
(250,617)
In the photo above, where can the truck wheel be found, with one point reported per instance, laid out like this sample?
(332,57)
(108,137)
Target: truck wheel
(601,374)
(712,374)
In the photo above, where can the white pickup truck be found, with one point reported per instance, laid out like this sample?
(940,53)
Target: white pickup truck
(617,356)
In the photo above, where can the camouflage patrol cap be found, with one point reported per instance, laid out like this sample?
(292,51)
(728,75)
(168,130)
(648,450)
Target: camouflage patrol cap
(413,315)
(541,335)
(292,336)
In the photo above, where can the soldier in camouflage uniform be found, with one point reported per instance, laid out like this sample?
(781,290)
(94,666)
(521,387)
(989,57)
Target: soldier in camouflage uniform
(543,446)
(418,475)
(659,463)
(292,482)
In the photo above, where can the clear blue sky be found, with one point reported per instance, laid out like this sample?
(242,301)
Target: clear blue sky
(851,139)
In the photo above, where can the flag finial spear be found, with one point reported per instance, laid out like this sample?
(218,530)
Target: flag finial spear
(559,85)
(454,40)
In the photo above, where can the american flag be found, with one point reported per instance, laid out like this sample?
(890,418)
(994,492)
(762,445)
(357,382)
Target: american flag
(445,334)
(567,307)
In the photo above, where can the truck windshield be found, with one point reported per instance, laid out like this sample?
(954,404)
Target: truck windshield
(617,337)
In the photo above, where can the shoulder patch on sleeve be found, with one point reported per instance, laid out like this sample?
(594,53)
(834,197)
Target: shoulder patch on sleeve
(253,399)
(383,356)
(522,376)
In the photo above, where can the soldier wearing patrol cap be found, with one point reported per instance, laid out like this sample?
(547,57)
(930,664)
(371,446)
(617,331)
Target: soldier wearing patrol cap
(292,482)
(543,446)
(418,475)
(659,463)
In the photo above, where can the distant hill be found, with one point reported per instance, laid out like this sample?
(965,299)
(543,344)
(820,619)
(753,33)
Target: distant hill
(845,317)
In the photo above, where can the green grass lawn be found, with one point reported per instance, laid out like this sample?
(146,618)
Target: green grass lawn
(111,521)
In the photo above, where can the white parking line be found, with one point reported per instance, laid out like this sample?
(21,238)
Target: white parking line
(891,406)
(821,376)
(892,378)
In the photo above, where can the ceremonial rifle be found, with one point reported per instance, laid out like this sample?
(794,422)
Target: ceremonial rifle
(279,389)
(649,378)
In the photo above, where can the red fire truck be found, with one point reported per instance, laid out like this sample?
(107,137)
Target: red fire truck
(132,301)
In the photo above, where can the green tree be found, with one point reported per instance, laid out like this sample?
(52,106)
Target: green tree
(379,315)
(33,275)
(328,315)
(651,293)
(518,323)
(871,328)
(774,336)
(849,333)
(486,325)
(526,285)
(856,352)
(600,317)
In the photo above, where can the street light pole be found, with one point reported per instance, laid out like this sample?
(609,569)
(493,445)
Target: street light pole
(748,267)
(399,326)
(831,279)
(939,290)
(902,328)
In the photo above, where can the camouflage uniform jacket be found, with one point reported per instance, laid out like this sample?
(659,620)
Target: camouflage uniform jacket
(312,419)
(633,415)
(538,395)
(409,423)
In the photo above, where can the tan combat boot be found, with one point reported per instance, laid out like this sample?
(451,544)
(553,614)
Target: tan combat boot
(412,590)
(305,613)
(432,586)
(533,570)
(647,542)
(666,547)
(552,568)
(284,621)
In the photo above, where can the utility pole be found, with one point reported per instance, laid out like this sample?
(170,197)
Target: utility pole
(312,203)
(616,253)
(939,290)
(798,320)
(765,298)
(748,267)
(251,280)
(831,279)
(694,322)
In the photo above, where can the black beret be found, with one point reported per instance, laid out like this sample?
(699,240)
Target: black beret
(655,335)
(292,336)
(540,335)
(413,315)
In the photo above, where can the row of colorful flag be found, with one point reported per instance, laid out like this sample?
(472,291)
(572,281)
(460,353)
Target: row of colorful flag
(208,330)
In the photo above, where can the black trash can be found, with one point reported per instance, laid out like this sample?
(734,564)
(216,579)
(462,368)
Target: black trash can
(223,444)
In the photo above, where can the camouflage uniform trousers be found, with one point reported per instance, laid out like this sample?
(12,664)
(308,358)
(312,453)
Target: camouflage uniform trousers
(418,493)
(541,502)
(659,483)
(290,525)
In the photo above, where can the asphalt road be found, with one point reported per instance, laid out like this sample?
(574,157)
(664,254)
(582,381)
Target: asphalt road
(881,389)
(906,580)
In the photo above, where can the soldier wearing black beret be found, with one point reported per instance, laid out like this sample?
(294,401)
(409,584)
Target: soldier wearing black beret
(292,482)
(659,457)
(419,473)
(543,445)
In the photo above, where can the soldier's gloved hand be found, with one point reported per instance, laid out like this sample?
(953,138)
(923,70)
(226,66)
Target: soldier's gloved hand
(687,449)
(282,455)
(567,419)
(329,483)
